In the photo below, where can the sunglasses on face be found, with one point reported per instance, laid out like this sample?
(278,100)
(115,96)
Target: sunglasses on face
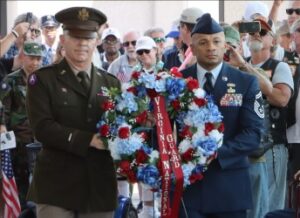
(37,32)
(126,44)
(262,33)
(110,41)
(159,39)
(141,52)
(290,11)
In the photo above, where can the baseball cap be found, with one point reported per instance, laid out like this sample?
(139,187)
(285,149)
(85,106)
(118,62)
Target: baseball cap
(111,32)
(231,35)
(81,22)
(49,20)
(145,42)
(174,33)
(255,7)
(264,24)
(190,15)
(33,49)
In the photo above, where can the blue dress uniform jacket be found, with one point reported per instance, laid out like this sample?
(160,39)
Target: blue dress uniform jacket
(226,183)
(68,172)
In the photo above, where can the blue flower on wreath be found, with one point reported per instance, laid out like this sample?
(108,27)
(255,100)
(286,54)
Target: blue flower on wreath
(214,114)
(148,80)
(128,102)
(174,87)
(187,170)
(196,117)
(149,175)
(160,85)
(130,145)
(141,91)
(206,145)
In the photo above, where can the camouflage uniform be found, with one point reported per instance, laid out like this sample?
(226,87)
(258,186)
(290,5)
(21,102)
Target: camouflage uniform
(12,94)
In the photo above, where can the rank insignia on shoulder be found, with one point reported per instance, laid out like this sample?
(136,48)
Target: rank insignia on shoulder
(259,106)
(104,91)
(32,79)
(63,89)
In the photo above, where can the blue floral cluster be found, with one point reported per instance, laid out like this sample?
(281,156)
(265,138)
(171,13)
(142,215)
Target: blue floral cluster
(149,175)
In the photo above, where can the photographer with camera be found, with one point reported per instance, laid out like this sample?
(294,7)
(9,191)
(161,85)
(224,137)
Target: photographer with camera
(269,163)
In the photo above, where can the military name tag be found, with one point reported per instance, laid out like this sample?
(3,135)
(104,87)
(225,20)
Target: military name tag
(232,99)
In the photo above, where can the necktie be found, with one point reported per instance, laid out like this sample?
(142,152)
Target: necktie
(48,58)
(85,81)
(208,85)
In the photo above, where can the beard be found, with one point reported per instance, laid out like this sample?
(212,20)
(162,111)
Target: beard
(255,45)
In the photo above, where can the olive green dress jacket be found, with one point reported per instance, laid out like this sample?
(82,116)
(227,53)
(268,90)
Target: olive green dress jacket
(68,172)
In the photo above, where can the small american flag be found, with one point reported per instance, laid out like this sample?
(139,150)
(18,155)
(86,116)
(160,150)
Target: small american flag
(12,208)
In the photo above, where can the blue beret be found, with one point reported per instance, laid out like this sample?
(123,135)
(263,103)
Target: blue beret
(207,25)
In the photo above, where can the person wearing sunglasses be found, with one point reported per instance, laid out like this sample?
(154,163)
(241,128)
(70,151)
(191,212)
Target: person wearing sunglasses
(158,35)
(123,66)
(268,168)
(147,54)
(293,11)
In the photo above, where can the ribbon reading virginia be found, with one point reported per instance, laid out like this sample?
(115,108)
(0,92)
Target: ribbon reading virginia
(170,160)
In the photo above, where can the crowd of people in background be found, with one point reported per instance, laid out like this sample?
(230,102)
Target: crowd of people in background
(270,54)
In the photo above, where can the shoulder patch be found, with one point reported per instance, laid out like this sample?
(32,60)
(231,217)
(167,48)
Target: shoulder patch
(32,80)
(259,106)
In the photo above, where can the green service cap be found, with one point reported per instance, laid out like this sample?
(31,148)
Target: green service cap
(33,49)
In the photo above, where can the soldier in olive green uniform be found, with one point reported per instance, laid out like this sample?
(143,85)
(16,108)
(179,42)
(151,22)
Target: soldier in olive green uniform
(13,94)
(74,173)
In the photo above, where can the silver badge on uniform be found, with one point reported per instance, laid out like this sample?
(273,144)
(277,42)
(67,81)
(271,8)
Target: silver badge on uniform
(259,106)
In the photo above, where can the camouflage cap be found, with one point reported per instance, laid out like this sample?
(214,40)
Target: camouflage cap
(33,49)
(232,36)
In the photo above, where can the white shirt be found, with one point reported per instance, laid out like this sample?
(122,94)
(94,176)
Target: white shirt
(201,74)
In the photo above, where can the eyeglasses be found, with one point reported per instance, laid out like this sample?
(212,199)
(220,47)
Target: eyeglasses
(126,44)
(141,52)
(37,32)
(262,33)
(290,11)
(159,39)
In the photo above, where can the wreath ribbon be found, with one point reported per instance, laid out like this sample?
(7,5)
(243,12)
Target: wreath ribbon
(170,160)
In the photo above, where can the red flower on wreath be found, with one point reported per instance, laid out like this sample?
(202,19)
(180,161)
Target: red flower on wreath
(141,118)
(195,177)
(133,90)
(141,156)
(208,127)
(135,75)
(108,105)
(192,84)
(124,132)
(176,105)
(124,166)
(188,155)
(104,130)
(221,127)
(200,101)
(186,132)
